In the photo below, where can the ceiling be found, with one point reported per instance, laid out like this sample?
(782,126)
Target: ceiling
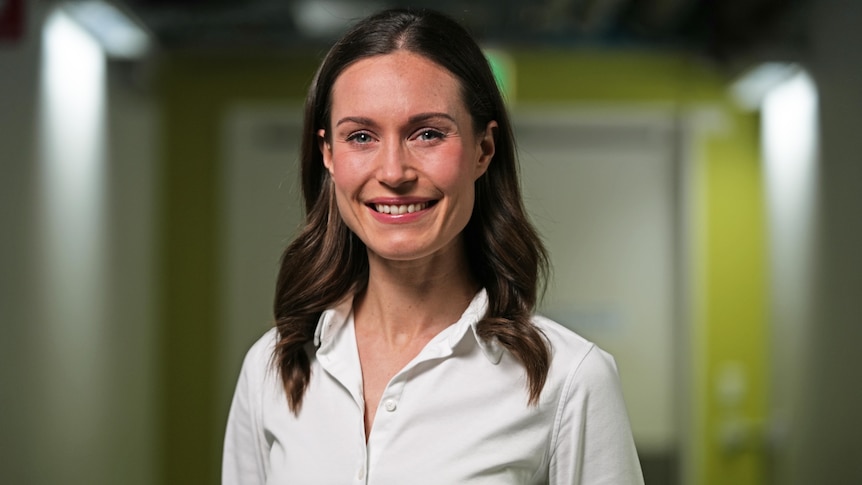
(719,30)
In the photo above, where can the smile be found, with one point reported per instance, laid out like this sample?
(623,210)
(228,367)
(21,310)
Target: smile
(401,209)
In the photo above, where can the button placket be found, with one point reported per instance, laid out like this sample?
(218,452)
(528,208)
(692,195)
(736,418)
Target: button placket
(362,465)
(392,395)
(391,398)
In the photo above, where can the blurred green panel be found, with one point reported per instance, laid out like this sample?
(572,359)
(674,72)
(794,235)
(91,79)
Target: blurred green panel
(195,91)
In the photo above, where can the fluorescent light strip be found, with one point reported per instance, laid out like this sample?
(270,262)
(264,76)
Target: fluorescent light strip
(119,35)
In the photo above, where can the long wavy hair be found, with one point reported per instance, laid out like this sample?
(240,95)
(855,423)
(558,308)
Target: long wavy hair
(327,262)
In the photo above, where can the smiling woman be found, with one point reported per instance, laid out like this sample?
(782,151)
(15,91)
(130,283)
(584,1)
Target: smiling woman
(405,331)
(404,164)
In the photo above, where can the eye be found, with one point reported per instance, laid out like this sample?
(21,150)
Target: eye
(360,137)
(429,135)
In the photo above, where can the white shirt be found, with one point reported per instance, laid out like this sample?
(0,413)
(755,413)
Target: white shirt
(456,414)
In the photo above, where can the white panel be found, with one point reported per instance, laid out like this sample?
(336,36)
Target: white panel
(71,298)
(789,123)
(262,210)
(600,187)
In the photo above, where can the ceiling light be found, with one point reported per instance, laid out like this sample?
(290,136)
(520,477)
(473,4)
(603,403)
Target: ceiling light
(326,18)
(754,84)
(119,35)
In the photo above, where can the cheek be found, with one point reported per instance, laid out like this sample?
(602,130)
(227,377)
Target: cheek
(346,173)
(346,188)
(454,170)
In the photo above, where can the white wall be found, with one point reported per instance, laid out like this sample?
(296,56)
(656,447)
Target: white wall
(76,400)
(789,137)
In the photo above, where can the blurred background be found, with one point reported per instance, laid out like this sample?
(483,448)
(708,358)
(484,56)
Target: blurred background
(693,165)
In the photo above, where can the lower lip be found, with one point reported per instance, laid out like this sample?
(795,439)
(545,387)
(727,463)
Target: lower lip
(405,218)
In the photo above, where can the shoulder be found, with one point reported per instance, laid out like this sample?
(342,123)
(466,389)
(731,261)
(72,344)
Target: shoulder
(257,363)
(591,441)
(576,361)
(264,346)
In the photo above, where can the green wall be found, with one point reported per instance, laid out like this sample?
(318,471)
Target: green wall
(733,327)
(194,91)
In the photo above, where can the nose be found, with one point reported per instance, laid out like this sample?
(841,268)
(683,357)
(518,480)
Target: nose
(394,166)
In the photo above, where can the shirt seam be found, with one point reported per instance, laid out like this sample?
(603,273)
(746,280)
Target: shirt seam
(263,380)
(565,394)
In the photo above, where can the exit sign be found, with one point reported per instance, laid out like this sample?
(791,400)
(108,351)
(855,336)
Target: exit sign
(11,20)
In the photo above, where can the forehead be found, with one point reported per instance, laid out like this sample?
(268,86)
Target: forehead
(400,79)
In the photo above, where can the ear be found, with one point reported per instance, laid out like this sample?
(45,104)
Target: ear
(325,149)
(486,148)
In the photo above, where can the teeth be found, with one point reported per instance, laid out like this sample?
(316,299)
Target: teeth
(400,209)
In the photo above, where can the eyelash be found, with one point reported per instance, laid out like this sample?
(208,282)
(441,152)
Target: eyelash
(354,137)
(435,134)
(426,134)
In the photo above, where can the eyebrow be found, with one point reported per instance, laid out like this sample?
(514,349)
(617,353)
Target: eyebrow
(428,116)
(355,119)
(412,120)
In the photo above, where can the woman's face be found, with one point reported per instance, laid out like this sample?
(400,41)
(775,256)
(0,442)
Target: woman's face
(403,155)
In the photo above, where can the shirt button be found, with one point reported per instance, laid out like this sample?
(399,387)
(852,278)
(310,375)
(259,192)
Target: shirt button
(361,473)
(390,405)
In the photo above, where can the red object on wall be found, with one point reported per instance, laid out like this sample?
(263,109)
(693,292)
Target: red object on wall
(11,20)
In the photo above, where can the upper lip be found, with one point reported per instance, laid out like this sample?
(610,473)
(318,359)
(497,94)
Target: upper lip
(398,200)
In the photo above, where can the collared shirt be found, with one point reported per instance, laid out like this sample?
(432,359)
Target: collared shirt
(458,413)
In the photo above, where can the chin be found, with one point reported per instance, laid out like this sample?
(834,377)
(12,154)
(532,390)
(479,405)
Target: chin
(399,255)
(408,251)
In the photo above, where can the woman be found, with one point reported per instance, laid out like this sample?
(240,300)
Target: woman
(405,349)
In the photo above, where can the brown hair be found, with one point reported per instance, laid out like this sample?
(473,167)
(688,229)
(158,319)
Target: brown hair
(326,261)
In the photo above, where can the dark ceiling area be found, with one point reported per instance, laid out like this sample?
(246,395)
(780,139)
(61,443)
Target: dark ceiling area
(723,31)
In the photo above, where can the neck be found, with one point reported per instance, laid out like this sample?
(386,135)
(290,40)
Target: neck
(407,300)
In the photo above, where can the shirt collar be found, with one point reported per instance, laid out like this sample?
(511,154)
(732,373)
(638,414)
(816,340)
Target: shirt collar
(333,320)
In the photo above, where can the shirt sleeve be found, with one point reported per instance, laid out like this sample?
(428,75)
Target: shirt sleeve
(594,444)
(244,458)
